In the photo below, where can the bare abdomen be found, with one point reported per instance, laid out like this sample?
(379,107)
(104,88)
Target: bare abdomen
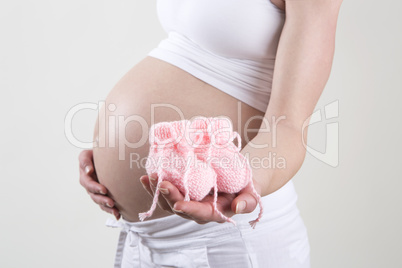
(152,91)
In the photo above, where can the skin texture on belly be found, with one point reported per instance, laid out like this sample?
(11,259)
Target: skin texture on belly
(153,91)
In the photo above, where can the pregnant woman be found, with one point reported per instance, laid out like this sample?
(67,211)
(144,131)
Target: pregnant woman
(261,63)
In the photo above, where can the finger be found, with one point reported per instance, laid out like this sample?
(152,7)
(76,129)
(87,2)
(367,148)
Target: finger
(203,212)
(85,159)
(153,183)
(91,185)
(183,215)
(245,202)
(171,193)
(162,203)
(102,200)
(167,192)
(88,177)
(146,184)
(169,196)
(113,211)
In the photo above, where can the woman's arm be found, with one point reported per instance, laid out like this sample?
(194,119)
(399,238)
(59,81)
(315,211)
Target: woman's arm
(302,67)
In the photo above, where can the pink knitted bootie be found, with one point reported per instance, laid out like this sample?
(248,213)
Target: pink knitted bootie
(216,162)
(172,159)
(217,148)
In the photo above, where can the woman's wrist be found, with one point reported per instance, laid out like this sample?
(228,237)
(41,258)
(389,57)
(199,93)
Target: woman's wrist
(275,156)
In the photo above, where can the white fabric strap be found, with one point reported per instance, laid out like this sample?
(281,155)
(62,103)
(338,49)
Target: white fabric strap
(128,235)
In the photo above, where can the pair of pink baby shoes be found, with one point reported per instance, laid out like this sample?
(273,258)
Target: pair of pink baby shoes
(198,156)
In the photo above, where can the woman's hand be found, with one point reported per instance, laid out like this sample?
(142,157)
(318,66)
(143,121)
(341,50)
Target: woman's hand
(172,200)
(89,181)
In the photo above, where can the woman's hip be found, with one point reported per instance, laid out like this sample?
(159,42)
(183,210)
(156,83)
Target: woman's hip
(280,239)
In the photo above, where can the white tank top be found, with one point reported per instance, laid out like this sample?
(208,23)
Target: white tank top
(229,44)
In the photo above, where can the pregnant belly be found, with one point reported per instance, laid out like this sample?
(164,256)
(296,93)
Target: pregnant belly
(153,91)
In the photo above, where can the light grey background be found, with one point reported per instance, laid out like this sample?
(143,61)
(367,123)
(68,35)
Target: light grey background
(56,54)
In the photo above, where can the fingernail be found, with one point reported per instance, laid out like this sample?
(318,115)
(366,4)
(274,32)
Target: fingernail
(101,192)
(87,169)
(116,215)
(164,191)
(109,205)
(240,207)
(176,210)
(153,180)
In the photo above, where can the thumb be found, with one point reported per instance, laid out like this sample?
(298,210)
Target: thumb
(245,202)
(85,159)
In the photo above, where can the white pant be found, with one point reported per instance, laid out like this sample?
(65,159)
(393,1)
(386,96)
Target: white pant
(278,241)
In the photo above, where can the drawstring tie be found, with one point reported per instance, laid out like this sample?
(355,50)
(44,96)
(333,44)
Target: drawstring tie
(129,235)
